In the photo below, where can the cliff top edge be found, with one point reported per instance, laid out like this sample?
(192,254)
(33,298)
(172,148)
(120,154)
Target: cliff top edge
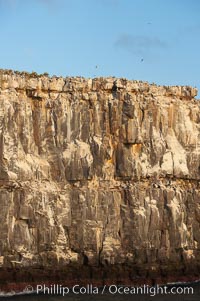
(36,81)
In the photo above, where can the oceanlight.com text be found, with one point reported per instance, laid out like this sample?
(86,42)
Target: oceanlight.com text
(58,289)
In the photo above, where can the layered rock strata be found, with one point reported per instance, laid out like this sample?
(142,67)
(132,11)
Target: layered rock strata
(98,176)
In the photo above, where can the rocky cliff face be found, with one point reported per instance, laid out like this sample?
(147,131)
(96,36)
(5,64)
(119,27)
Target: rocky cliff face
(97,176)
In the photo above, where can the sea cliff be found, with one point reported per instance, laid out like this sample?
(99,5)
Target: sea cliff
(99,180)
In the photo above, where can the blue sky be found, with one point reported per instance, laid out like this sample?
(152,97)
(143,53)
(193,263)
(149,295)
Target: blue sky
(151,40)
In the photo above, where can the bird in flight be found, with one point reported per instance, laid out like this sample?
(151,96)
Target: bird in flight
(142,60)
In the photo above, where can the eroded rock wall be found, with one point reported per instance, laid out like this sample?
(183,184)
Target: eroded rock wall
(99,174)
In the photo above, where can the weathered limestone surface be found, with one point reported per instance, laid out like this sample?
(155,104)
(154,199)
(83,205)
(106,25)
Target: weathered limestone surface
(98,175)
